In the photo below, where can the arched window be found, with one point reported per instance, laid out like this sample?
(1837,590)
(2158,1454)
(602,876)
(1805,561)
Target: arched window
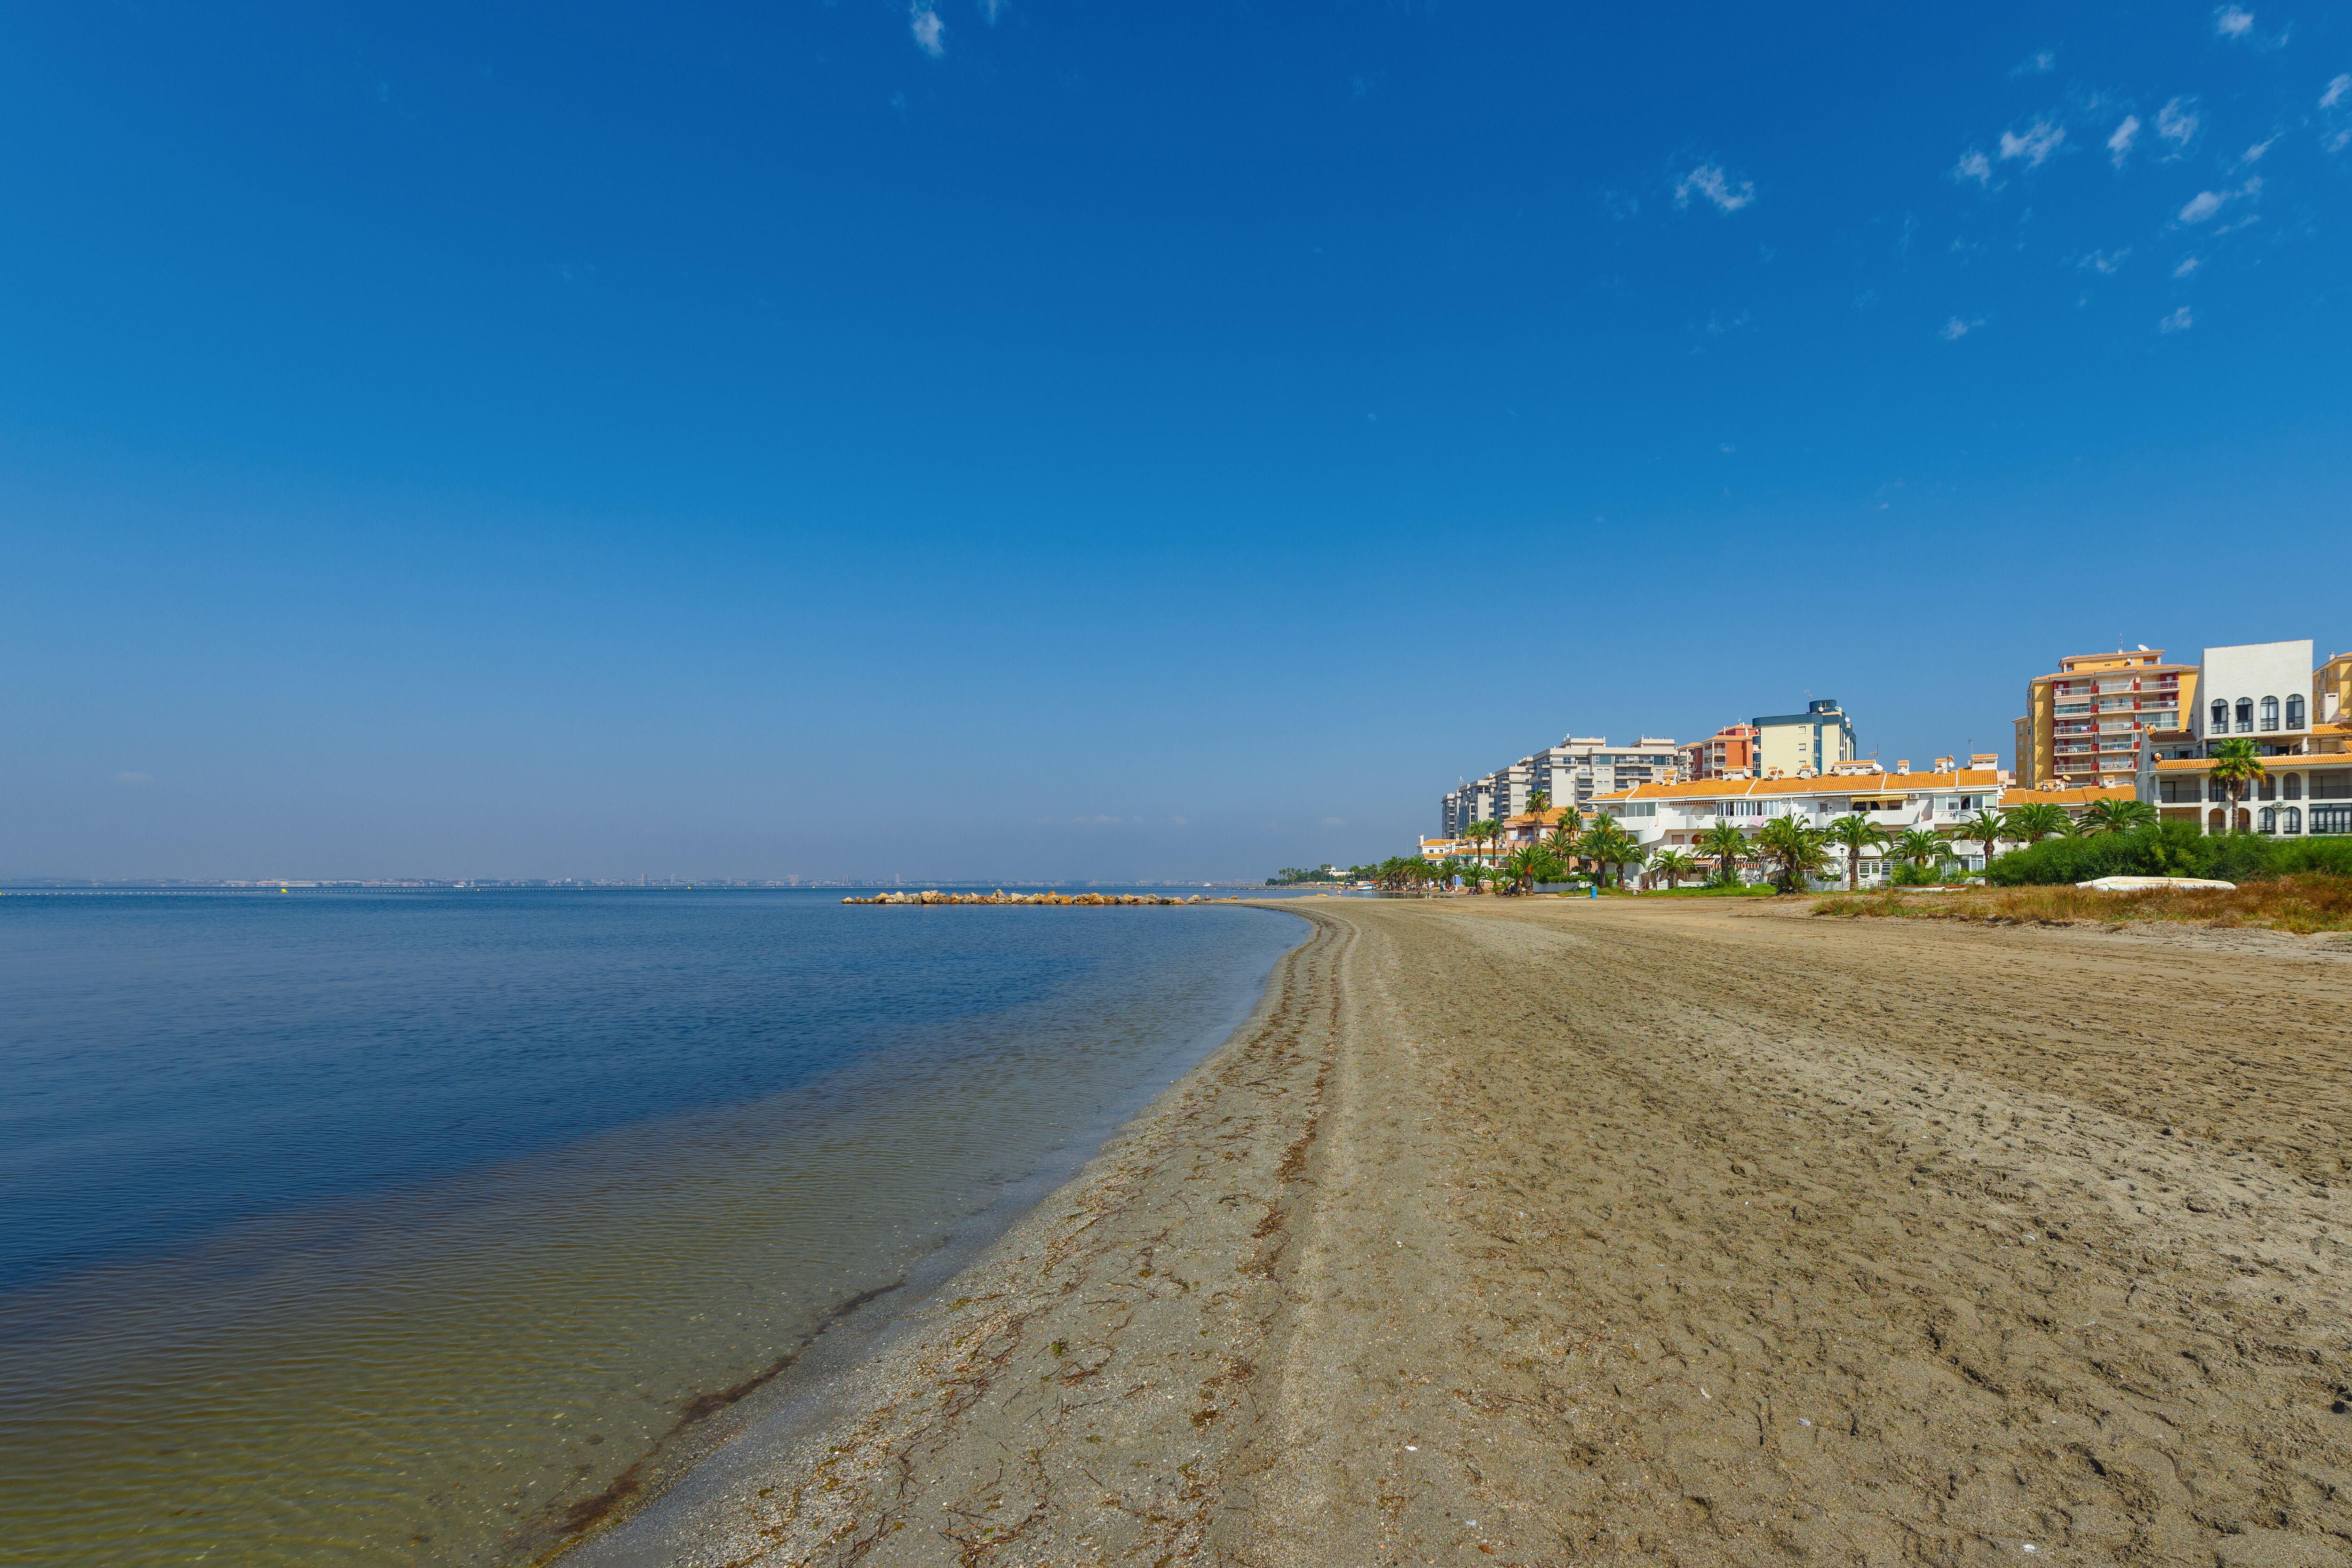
(2217,822)
(2245,715)
(2293,787)
(2267,789)
(2270,713)
(2294,816)
(2270,819)
(2220,717)
(2295,710)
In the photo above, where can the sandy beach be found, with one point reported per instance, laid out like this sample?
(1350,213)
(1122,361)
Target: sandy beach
(1673,1231)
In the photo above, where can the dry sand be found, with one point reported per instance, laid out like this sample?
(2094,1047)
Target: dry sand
(1545,1231)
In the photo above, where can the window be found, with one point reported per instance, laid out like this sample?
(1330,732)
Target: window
(2267,789)
(2295,710)
(2293,823)
(2331,819)
(2270,713)
(2176,791)
(2245,715)
(2220,717)
(2268,819)
(2293,788)
(2335,785)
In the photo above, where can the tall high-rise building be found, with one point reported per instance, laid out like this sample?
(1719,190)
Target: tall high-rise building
(2082,722)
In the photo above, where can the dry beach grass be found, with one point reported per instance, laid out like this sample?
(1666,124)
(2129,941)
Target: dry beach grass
(1671,1231)
(2300,904)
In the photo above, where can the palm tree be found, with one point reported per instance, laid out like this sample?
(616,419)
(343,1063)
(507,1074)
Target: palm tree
(2035,821)
(2236,765)
(1727,847)
(1606,845)
(2115,817)
(1528,865)
(1854,833)
(1674,864)
(1483,833)
(1918,847)
(1984,827)
(1796,845)
(1561,839)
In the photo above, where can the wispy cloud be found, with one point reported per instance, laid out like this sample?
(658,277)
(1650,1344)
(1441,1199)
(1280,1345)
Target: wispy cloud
(1709,181)
(930,33)
(2039,140)
(2187,265)
(2119,145)
(2177,121)
(2254,154)
(990,10)
(1974,165)
(2179,320)
(1956,329)
(2105,262)
(2230,22)
(2205,204)
(2338,90)
(2041,62)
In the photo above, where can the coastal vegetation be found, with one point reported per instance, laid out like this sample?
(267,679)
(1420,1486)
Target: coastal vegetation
(2169,849)
(2303,903)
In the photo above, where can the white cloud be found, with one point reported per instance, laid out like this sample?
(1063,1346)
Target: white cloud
(2180,321)
(2230,22)
(2119,145)
(1956,329)
(2041,139)
(2254,154)
(2337,90)
(930,33)
(2041,62)
(1974,165)
(2205,204)
(2105,262)
(2177,122)
(1708,180)
(134,779)
(2187,267)
(990,10)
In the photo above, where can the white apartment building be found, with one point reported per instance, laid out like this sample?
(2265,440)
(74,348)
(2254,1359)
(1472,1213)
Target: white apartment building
(1571,773)
(1674,815)
(2270,694)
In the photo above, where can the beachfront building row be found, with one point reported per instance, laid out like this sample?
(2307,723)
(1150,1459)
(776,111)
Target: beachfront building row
(2299,718)
(1575,771)
(1943,800)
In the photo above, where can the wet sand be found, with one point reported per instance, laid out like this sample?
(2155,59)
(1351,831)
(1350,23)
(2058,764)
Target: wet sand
(1673,1231)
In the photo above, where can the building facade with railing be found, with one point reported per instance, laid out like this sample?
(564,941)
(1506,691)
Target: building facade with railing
(2082,724)
(2270,695)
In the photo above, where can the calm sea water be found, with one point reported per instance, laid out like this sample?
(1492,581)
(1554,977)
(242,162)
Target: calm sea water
(349,1228)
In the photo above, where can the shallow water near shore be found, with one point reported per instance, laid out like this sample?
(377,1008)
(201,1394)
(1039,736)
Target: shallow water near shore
(365,1229)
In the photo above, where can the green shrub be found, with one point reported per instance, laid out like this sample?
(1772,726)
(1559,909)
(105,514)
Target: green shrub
(2171,849)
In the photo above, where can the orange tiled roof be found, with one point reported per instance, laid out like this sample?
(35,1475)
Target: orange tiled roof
(2083,796)
(1820,784)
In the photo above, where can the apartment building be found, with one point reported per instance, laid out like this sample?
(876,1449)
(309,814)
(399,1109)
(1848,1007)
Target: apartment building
(2294,713)
(1571,773)
(1673,817)
(2083,723)
(1816,741)
(1730,750)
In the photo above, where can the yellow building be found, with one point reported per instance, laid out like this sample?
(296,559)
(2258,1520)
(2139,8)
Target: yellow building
(2331,700)
(2083,723)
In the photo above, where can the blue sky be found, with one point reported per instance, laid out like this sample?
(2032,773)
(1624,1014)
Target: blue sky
(1036,438)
